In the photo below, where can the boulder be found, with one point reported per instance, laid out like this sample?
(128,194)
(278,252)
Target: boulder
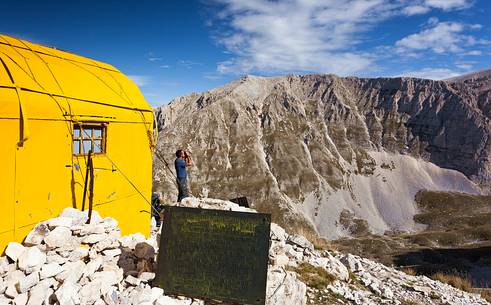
(37,235)
(58,237)
(78,217)
(108,277)
(144,251)
(281,260)
(156,294)
(11,290)
(26,283)
(60,222)
(67,294)
(14,250)
(132,280)
(72,272)
(94,238)
(352,263)
(21,299)
(92,229)
(90,292)
(112,252)
(50,270)
(284,288)
(146,276)
(39,295)
(92,266)
(131,240)
(110,242)
(278,233)
(31,258)
(300,241)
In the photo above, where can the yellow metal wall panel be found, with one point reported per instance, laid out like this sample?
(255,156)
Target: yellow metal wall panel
(42,174)
(9,105)
(8,140)
(43,170)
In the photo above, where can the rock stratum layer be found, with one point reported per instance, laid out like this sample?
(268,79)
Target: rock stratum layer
(328,154)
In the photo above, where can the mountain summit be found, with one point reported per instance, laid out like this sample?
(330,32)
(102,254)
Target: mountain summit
(327,154)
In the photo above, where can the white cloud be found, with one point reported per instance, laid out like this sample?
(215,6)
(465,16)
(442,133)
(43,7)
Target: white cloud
(432,73)
(464,66)
(473,53)
(188,63)
(140,80)
(299,35)
(448,5)
(416,10)
(425,6)
(164,66)
(326,36)
(442,37)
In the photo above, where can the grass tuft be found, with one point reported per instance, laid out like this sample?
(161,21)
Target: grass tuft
(315,277)
(485,294)
(459,282)
(409,271)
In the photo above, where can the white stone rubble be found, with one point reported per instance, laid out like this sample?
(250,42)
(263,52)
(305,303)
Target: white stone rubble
(68,262)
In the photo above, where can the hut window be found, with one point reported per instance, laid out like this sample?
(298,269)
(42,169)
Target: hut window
(88,137)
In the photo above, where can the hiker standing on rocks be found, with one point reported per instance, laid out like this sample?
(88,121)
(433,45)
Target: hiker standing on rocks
(182,160)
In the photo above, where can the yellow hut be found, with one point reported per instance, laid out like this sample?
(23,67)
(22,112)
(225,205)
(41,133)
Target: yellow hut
(55,107)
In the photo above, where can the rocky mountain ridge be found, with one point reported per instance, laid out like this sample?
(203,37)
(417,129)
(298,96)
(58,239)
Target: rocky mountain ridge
(313,148)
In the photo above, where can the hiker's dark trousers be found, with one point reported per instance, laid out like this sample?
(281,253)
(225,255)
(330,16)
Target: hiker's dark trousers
(182,186)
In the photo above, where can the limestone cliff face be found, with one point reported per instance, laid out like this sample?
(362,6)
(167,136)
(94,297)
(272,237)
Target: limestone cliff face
(327,153)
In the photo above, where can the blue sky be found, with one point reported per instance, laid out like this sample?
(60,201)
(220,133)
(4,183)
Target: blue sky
(171,48)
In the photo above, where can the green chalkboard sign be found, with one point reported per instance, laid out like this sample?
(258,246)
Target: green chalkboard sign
(214,254)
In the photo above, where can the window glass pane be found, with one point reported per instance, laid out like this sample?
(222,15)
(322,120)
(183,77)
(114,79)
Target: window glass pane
(97,132)
(76,147)
(76,132)
(97,146)
(86,133)
(87,146)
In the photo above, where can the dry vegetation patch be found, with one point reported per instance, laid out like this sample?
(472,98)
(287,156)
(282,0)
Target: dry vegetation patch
(459,282)
(315,277)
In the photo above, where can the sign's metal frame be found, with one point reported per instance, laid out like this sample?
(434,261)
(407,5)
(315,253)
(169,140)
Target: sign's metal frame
(214,254)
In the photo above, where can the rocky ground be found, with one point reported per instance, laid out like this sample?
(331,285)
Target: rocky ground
(65,261)
(456,238)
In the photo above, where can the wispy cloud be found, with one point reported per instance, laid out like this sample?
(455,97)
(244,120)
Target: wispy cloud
(140,80)
(441,37)
(298,35)
(188,64)
(425,6)
(433,73)
(416,10)
(212,76)
(327,36)
(448,5)
(152,57)
(164,66)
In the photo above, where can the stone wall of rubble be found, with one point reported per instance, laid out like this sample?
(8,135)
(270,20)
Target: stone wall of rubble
(68,262)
